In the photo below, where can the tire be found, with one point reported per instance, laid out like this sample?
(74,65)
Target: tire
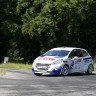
(90,69)
(65,70)
(37,74)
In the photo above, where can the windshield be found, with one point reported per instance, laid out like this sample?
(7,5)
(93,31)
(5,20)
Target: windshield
(56,53)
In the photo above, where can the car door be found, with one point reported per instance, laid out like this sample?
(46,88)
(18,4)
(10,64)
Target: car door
(86,60)
(77,60)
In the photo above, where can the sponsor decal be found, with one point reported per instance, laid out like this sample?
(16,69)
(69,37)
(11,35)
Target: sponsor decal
(51,59)
(87,60)
(79,60)
(72,61)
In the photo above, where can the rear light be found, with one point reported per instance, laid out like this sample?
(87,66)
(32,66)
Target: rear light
(65,62)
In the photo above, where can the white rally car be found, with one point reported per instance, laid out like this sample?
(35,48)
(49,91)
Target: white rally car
(63,61)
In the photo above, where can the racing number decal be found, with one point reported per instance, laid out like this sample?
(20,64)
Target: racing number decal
(75,62)
(78,66)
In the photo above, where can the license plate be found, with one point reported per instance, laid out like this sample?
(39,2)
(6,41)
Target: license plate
(42,67)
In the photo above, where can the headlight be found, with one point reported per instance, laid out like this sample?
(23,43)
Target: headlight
(58,62)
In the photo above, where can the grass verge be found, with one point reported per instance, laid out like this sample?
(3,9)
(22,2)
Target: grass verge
(95,67)
(15,65)
(2,72)
(21,66)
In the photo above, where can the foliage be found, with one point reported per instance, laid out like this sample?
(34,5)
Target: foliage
(16,65)
(31,27)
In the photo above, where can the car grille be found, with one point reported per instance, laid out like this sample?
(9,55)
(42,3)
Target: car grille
(42,67)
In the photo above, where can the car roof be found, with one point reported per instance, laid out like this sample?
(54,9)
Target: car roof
(65,48)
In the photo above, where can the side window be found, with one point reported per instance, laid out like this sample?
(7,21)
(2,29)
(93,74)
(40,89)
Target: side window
(73,54)
(84,53)
(76,52)
(79,53)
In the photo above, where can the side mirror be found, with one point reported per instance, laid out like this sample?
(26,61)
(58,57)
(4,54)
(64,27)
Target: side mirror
(75,57)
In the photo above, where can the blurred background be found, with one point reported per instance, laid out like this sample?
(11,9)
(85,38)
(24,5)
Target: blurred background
(28,28)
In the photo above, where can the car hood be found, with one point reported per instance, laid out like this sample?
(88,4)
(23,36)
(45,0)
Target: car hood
(47,59)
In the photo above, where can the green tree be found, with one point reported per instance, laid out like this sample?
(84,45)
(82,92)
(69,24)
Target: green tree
(31,27)
(54,22)
(87,29)
(8,26)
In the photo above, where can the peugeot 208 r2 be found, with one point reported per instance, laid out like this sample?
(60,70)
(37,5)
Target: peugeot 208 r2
(63,61)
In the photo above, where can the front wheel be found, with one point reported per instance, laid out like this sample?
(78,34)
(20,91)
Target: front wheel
(65,70)
(90,69)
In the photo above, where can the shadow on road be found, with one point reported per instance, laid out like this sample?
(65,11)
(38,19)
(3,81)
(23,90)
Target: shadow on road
(73,74)
(81,74)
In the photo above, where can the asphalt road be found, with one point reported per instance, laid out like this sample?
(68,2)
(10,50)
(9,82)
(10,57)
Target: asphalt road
(24,83)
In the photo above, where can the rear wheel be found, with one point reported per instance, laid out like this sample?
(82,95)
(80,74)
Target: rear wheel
(37,74)
(65,70)
(90,69)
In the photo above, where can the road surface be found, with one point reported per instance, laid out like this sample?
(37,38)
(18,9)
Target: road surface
(20,82)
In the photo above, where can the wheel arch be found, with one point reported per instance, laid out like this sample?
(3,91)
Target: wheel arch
(90,64)
(88,67)
(63,66)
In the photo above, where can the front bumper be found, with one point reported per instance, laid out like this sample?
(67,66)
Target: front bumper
(55,71)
